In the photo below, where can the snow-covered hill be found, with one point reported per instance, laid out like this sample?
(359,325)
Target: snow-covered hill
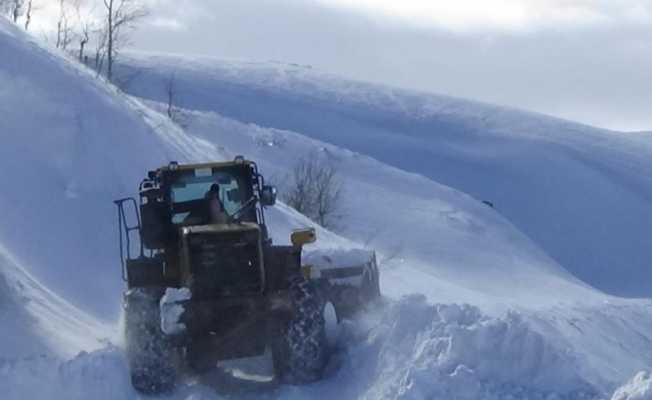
(71,144)
(583,194)
(426,229)
(455,249)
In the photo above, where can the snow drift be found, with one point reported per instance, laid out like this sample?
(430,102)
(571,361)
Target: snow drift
(639,388)
(37,322)
(410,350)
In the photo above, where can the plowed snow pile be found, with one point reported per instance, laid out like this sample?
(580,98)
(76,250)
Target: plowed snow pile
(639,388)
(70,145)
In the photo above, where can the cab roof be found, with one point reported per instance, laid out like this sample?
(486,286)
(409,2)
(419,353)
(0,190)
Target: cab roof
(174,166)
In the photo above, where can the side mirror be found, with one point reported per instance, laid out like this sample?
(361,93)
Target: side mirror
(268,196)
(299,237)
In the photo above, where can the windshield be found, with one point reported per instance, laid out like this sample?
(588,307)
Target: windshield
(194,184)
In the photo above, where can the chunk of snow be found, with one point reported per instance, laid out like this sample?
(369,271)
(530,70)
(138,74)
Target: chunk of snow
(337,258)
(324,259)
(172,309)
(638,388)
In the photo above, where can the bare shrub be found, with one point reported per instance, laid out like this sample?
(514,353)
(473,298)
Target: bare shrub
(314,189)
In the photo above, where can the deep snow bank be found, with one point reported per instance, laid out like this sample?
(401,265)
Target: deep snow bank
(408,350)
(583,194)
(638,388)
(441,351)
(37,323)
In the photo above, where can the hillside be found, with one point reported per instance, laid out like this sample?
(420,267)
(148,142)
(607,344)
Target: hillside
(474,308)
(36,322)
(426,229)
(582,194)
(454,249)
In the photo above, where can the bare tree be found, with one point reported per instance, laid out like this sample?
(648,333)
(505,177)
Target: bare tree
(315,190)
(5,7)
(64,31)
(120,16)
(100,50)
(29,13)
(299,194)
(173,112)
(86,28)
(84,38)
(19,9)
(171,92)
(13,8)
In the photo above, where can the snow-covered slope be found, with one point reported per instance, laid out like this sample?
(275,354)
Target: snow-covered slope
(442,243)
(583,194)
(37,322)
(70,145)
(453,248)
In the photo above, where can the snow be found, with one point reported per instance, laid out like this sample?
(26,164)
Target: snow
(333,258)
(36,321)
(505,267)
(411,350)
(639,388)
(70,145)
(324,259)
(473,308)
(171,310)
(442,351)
(582,194)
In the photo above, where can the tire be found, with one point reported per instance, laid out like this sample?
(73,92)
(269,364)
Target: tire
(149,354)
(300,348)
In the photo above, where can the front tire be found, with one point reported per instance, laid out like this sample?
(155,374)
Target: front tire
(150,356)
(300,348)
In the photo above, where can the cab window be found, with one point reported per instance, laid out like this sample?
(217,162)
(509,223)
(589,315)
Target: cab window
(190,187)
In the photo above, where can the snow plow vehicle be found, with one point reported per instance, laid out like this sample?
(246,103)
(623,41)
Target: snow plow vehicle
(206,284)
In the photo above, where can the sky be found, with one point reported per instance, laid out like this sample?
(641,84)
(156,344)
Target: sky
(583,60)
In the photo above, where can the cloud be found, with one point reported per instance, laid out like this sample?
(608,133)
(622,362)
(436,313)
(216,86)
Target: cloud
(584,60)
(503,15)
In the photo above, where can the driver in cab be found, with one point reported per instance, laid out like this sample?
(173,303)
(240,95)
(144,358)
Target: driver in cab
(215,207)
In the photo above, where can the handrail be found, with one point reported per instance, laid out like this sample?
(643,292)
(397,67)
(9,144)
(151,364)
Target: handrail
(124,231)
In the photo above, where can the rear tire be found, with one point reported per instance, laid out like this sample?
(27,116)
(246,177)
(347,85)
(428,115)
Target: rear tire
(300,348)
(149,353)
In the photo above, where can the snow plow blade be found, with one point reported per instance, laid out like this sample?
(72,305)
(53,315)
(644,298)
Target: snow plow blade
(347,278)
